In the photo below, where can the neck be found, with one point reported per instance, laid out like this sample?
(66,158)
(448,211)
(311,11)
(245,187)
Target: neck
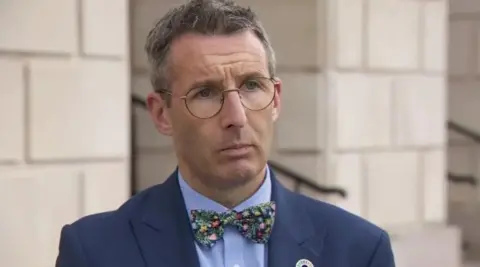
(228,197)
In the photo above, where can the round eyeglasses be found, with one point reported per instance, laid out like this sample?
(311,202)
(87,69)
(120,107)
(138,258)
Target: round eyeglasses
(255,93)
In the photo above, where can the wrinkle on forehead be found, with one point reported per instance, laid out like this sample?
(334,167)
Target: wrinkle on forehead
(216,57)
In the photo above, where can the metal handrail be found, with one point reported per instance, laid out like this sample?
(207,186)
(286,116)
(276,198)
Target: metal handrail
(304,180)
(300,179)
(469,133)
(462,179)
(462,130)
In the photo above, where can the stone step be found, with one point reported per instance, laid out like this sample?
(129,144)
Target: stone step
(431,245)
(466,216)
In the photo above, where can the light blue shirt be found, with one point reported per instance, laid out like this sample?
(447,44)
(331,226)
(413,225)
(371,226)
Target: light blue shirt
(234,250)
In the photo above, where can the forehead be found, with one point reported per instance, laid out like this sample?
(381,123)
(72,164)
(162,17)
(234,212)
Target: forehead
(196,56)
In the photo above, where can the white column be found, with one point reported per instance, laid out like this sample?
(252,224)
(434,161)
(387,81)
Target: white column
(64,120)
(387,136)
(387,97)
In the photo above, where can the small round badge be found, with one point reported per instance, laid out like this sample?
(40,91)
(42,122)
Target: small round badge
(304,263)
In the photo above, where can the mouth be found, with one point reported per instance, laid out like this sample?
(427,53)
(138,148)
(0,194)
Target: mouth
(237,146)
(237,150)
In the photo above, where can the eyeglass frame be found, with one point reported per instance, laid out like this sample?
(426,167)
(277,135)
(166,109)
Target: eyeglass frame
(225,91)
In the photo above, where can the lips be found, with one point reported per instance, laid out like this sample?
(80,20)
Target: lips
(237,146)
(237,151)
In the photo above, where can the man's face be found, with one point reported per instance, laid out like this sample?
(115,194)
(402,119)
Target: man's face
(233,146)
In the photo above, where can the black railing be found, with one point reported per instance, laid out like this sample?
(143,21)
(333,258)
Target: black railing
(138,101)
(300,179)
(462,179)
(464,131)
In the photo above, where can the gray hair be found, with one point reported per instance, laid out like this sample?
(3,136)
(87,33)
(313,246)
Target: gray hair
(209,17)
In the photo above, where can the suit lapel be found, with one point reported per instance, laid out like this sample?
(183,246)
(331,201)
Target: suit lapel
(292,235)
(162,228)
(164,236)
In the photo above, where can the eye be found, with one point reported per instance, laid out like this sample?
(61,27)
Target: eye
(252,84)
(204,93)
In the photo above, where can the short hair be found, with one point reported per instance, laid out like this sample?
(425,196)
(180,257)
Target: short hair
(209,17)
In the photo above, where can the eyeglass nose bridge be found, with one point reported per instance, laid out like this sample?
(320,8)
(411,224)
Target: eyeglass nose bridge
(224,94)
(226,91)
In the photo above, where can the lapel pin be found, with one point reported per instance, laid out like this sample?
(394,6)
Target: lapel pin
(304,263)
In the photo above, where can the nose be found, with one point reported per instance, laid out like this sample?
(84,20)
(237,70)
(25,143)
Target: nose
(233,114)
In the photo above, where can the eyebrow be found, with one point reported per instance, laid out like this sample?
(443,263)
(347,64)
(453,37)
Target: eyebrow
(205,82)
(217,81)
(253,74)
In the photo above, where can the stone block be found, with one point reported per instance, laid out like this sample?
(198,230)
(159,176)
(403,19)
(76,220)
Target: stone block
(39,26)
(430,246)
(347,32)
(461,48)
(349,174)
(392,186)
(393,34)
(79,109)
(107,186)
(419,110)
(363,115)
(301,125)
(435,36)
(297,32)
(434,186)
(105,28)
(12,110)
(35,205)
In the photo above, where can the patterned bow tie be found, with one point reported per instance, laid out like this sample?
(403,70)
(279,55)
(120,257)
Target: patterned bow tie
(254,223)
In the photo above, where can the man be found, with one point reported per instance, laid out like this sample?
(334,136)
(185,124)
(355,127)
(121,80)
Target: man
(217,96)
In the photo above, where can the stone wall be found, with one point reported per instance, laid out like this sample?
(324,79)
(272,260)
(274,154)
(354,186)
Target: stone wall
(64,120)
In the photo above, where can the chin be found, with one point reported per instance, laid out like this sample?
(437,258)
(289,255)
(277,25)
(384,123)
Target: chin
(241,171)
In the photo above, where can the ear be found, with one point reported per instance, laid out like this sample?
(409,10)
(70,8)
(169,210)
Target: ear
(159,112)
(277,99)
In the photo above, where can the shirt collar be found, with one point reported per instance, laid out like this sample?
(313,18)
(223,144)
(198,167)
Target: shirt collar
(194,200)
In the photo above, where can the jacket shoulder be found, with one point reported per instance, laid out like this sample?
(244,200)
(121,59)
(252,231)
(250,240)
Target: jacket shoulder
(348,234)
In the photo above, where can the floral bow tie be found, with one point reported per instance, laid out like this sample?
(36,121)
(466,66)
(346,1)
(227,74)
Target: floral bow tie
(254,223)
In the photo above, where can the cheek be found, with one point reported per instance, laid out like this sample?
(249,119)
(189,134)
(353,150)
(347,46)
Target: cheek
(183,131)
(195,137)
(263,125)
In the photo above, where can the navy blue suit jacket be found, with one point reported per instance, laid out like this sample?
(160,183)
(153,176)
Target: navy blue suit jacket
(152,229)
